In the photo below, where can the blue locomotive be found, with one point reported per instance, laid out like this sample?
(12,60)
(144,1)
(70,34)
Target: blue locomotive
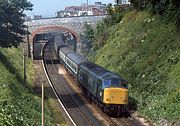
(107,89)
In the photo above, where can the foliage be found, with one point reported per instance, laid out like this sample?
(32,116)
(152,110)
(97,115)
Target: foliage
(115,14)
(170,9)
(146,52)
(87,37)
(18,104)
(11,21)
(95,38)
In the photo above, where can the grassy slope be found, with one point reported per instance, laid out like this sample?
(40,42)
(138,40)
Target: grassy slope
(146,52)
(18,105)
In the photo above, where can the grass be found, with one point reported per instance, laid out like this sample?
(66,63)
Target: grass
(146,51)
(19,106)
(56,113)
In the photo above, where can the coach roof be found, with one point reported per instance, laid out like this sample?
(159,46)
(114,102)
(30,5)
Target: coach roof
(66,50)
(76,58)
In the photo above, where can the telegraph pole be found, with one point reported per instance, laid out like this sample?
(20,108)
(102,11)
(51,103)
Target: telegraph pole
(24,62)
(118,1)
(87,7)
(28,45)
(42,104)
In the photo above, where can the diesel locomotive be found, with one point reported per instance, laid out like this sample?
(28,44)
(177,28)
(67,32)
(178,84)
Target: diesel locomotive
(107,89)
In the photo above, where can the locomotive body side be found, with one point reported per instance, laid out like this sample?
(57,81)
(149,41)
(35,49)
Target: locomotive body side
(71,60)
(107,89)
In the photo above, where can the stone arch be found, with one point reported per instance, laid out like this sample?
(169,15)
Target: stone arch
(55,28)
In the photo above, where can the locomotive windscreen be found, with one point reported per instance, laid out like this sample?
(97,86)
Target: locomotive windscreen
(114,82)
(106,83)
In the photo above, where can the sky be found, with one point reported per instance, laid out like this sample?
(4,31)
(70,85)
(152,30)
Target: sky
(47,8)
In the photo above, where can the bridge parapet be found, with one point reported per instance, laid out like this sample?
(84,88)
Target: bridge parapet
(74,23)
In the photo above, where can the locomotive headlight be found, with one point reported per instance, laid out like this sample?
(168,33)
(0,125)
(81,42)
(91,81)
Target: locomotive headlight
(108,100)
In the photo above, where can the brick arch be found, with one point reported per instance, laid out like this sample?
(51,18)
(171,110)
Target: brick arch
(55,28)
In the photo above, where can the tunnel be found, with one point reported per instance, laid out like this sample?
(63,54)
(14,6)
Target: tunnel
(47,34)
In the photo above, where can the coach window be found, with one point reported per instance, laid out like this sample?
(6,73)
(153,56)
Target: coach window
(73,67)
(69,62)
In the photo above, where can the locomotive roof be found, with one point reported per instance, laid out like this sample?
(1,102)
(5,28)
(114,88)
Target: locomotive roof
(66,50)
(76,58)
(99,71)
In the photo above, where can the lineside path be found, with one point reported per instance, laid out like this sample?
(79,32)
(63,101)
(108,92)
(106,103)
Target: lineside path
(40,78)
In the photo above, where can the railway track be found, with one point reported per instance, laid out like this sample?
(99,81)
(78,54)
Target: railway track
(78,113)
(74,103)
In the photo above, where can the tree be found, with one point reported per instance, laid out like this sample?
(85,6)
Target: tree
(109,9)
(12,28)
(87,36)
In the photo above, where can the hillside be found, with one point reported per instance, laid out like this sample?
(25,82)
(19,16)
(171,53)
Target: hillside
(19,106)
(145,50)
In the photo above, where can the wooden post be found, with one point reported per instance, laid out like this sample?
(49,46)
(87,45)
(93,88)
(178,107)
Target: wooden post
(42,104)
(28,44)
(24,62)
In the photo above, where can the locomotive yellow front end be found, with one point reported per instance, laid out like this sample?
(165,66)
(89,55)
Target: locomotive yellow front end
(118,96)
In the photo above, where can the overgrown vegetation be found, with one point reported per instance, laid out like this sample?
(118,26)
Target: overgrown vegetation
(168,9)
(146,52)
(93,39)
(18,104)
(143,46)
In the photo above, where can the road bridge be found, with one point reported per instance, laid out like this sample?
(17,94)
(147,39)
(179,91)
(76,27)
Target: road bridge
(73,25)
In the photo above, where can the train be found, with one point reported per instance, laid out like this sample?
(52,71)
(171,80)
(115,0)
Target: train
(106,89)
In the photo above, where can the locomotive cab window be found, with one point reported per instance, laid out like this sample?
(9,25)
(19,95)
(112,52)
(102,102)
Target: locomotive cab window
(106,83)
(115,82)
(124,84)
